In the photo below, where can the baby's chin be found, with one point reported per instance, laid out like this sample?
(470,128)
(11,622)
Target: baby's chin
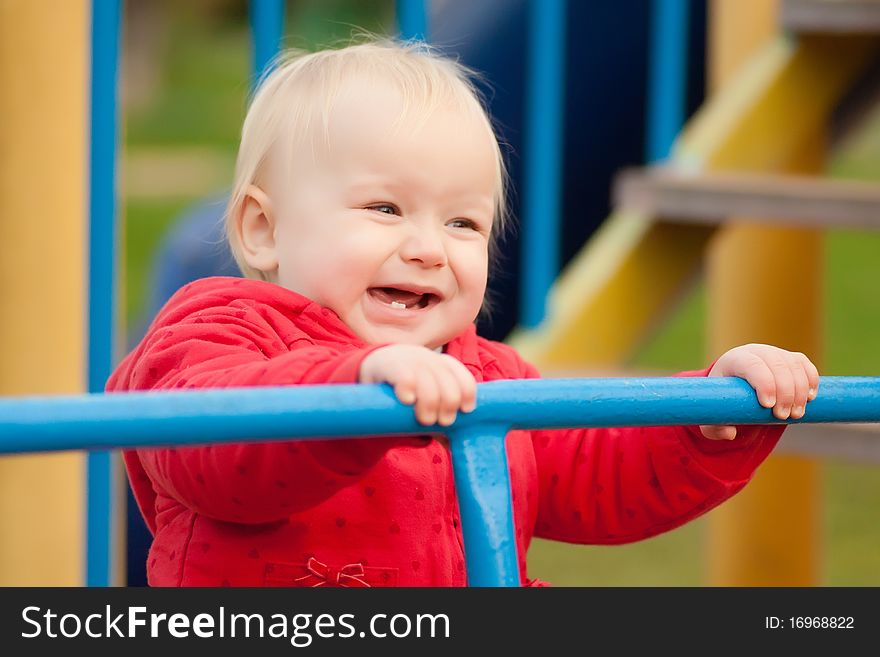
(397,336)
(371,334)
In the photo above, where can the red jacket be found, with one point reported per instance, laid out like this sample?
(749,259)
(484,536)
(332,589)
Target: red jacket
(378,512)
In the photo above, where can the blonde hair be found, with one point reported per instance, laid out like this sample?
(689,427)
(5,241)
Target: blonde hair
(301,87)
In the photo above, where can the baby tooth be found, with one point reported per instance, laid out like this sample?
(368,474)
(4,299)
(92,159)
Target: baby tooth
(397,304)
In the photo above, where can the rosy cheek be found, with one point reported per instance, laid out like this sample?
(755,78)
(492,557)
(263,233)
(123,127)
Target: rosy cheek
(473,273)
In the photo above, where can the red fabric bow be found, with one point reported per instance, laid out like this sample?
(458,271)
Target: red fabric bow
(349,575)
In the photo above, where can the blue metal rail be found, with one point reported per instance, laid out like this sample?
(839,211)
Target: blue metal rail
(541,211)
(100,422)
(412,19)
(667,78)
(102,273)
(267,29)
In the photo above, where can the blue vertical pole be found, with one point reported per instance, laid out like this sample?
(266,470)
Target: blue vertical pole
(412,19)
(482,482)
(543,157)
(102,273)
(667,76)
(267,27)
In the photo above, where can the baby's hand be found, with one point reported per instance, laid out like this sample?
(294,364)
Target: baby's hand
(783,380)
(438,385)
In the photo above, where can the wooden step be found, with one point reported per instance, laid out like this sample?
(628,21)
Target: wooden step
(805,201)
(831,16)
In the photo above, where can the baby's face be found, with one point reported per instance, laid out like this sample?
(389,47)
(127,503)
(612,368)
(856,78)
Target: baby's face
(390,229)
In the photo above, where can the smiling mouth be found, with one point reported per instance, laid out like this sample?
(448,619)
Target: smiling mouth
(403,299)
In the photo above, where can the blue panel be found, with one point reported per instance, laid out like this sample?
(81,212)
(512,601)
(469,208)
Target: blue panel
(482,483)
(267,27)
(102,270)
(412,19)
(667,76)
(543,157)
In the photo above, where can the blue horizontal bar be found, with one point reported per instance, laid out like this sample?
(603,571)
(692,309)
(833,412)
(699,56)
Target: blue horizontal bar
(124,420)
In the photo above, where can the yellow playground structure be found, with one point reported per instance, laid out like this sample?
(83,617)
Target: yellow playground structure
(777,71)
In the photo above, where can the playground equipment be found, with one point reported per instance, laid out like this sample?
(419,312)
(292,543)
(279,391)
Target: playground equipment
(772,100)
(632,255)
(477,440)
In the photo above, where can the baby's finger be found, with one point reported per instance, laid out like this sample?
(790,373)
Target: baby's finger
(801,387)
(427,397)
(784,383)
(405,387)
(466,383)
(450,395)
(812,375)
(718,432)
(757,372)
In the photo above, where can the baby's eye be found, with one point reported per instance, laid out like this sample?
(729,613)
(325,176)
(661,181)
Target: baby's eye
(385,208)
(463,223)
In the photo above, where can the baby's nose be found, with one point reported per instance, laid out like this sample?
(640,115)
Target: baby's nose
(424,248)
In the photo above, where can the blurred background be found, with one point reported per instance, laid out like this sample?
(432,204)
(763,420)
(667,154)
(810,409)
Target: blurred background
(185,74)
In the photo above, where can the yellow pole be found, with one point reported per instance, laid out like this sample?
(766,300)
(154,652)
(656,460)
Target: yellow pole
(764,285)
(737,30)
(44,51)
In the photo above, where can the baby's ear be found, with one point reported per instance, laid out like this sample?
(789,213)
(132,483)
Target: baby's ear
(256,230)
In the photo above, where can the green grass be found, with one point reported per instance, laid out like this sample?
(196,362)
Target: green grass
(145,224)
(203,73)
(852,530)
(205,67)
(671,559)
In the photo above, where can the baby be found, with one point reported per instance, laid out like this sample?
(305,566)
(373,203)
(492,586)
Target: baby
(369,191)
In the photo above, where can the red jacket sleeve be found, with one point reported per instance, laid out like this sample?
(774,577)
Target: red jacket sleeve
(618,485)
(244,482)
